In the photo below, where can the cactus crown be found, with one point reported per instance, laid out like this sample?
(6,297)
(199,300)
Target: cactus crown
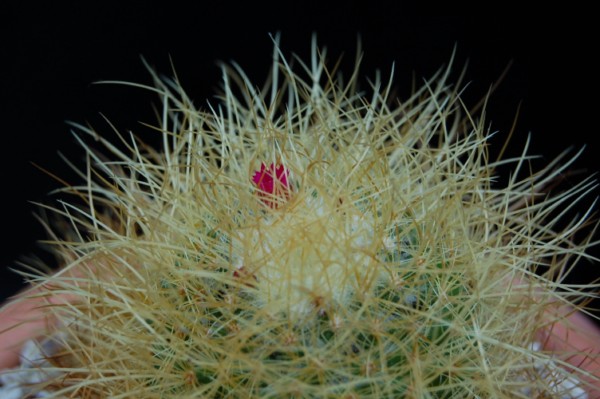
(309,240)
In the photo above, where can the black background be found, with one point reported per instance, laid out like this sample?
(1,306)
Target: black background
(52,54)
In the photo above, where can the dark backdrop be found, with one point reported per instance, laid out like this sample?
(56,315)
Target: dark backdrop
(51,55)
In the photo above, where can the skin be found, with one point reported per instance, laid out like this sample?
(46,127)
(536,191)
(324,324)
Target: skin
(24,319)
(575,333)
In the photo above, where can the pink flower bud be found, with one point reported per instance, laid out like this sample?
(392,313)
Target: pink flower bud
(272,184)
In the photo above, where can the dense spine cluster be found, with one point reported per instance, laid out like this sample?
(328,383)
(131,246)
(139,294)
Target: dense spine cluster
(310,240)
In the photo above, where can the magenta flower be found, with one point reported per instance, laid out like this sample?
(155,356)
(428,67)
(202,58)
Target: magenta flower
(272,183)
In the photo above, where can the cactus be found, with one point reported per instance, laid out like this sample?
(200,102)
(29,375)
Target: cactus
(310,240)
